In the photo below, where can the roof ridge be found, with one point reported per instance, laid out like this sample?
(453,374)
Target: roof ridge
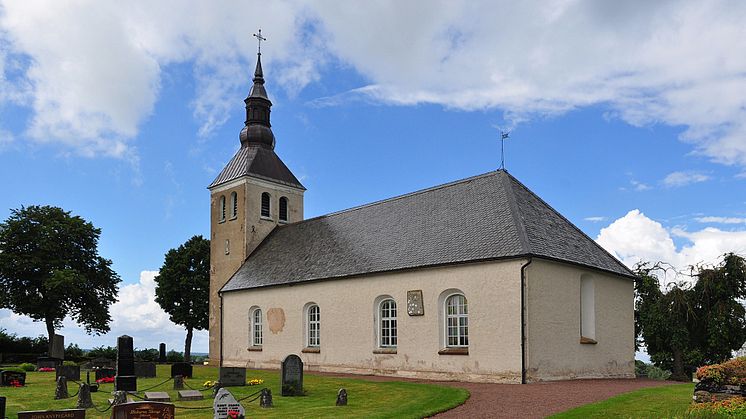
(397,197)
(520,225)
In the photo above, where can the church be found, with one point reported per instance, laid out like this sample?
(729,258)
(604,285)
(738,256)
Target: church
(474,280)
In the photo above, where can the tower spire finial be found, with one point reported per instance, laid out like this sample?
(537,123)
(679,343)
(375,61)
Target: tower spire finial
(257,129)
(259,39)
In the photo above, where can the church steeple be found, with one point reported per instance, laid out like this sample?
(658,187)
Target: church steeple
(257,130)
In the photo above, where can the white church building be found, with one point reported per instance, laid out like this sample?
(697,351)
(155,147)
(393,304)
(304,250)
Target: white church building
(474,280)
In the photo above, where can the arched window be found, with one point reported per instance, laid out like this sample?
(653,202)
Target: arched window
(457,321)
(283,209)
(313,334)
(387,328)
(222,208)
(256,327)
(265,205)
(587,308)
(234,205)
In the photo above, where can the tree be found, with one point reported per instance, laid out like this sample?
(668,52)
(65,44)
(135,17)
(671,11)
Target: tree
(183,287)
(50,268)
(688,325)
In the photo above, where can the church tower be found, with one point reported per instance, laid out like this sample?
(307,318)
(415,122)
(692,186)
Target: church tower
(253,194)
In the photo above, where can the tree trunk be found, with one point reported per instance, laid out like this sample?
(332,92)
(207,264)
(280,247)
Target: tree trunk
(678,366)
(188,346)
(50,333)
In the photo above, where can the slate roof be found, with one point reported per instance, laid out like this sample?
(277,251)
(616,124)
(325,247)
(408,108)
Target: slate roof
(257,161)
(486,217)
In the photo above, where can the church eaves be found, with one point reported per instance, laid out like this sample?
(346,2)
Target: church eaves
(487,217)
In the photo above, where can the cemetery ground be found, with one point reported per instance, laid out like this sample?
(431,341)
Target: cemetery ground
(367,399)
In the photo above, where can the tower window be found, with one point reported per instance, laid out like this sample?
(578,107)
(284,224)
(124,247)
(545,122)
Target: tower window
(265,205)
(222,207)
(234,205)
(283,209)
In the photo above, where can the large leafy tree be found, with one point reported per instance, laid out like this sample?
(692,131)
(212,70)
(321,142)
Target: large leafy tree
(183,287)
(688,325)
(50,268)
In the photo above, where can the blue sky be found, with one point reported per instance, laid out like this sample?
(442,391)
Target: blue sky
(125,122)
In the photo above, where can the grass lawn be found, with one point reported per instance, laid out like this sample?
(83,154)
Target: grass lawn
(365,398)
(658,402)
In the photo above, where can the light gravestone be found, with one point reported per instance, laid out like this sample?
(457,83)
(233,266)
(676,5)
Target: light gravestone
(232,376)
(125,380)
(157,396)
(224,403)
(292,376)
(188,395)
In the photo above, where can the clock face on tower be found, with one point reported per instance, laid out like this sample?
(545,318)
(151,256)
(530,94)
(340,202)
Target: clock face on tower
(415,306)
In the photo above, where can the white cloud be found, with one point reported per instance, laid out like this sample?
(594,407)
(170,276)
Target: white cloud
(135,314)
(676,179)
(595,219)
(635,237)
(95,70)
(721,220)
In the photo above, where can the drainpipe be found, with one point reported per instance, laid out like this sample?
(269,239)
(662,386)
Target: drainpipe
(220,294)
(523,321)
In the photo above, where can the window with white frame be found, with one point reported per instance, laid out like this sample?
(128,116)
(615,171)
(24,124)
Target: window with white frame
(457,321)
(222,208)
(283,209)
(265,205)
(387,327)
(313,335)
(234,205)
(256,327)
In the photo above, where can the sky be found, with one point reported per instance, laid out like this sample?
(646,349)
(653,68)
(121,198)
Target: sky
(629,118)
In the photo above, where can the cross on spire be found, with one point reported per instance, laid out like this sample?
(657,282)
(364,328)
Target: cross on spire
(259,39)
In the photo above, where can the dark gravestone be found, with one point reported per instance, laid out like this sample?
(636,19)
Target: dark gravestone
(105,373)
(102,363)
(178,382)
(157,396)
(2,407)
(84,397)
(125,379)
(145,369)
(292,376)
(265,399)
(60,391)
(56,414)
(10,378)
(162,354)
(342,397)
(232,376)
(118,397)
(225,402)
(144,410)
(58,347)
(71,372)
(183,369)
(47,362)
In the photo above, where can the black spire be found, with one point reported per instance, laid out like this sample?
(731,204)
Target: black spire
(258,130)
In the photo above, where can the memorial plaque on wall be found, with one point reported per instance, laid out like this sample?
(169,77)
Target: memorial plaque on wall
(144,410)
(415,306)
(56,414)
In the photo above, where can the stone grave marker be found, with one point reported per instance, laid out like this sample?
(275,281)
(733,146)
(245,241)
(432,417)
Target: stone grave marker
(56,414)
(265,399)
(157,396)
(162,353)
(58,347)
(292,376)
(188,395)
(144,410)
(71,372)
(105,373)
(2,407)
(145,369)
(84,397)
(102,363)
(178,382)
(47,362)
(232,376)
(8,378)
(125,380)
(225,402)
(342,397)
(183,369)
(60,391)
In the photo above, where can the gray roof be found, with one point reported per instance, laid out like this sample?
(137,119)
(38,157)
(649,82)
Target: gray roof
(486,217)
(257,161)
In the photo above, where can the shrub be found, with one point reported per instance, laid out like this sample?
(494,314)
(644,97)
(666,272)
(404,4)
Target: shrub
(11,343)
(731,372)
(147,354)
(69,363)
(26,366)
(73,351)
(734,407)
(17,369)
(103,352)
(173,356)
(641,368)
(656,373)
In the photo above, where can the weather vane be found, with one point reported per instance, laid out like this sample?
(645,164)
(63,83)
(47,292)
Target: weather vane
(504,135)
(259,39)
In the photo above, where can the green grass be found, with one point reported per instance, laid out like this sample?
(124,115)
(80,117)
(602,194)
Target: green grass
(365,398)
(656,402)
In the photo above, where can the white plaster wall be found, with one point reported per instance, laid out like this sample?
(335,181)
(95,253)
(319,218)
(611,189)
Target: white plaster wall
(348,324)
(553,309)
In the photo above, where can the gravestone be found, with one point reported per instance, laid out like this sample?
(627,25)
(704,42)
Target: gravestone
(56,414)
(84,397)
(189,395)
(342,397)
(58,347)
(105,373)
(292,376)
(225,402)
(60,391)
(2,407)
(265,399)
(145,369)
(232,376)
(144,410)
(125,380)
(9,378)
(119,397)
(47,362)
(183,369)
(102,363)
(71,372)
(157,396)
(178,382)
(162,354)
